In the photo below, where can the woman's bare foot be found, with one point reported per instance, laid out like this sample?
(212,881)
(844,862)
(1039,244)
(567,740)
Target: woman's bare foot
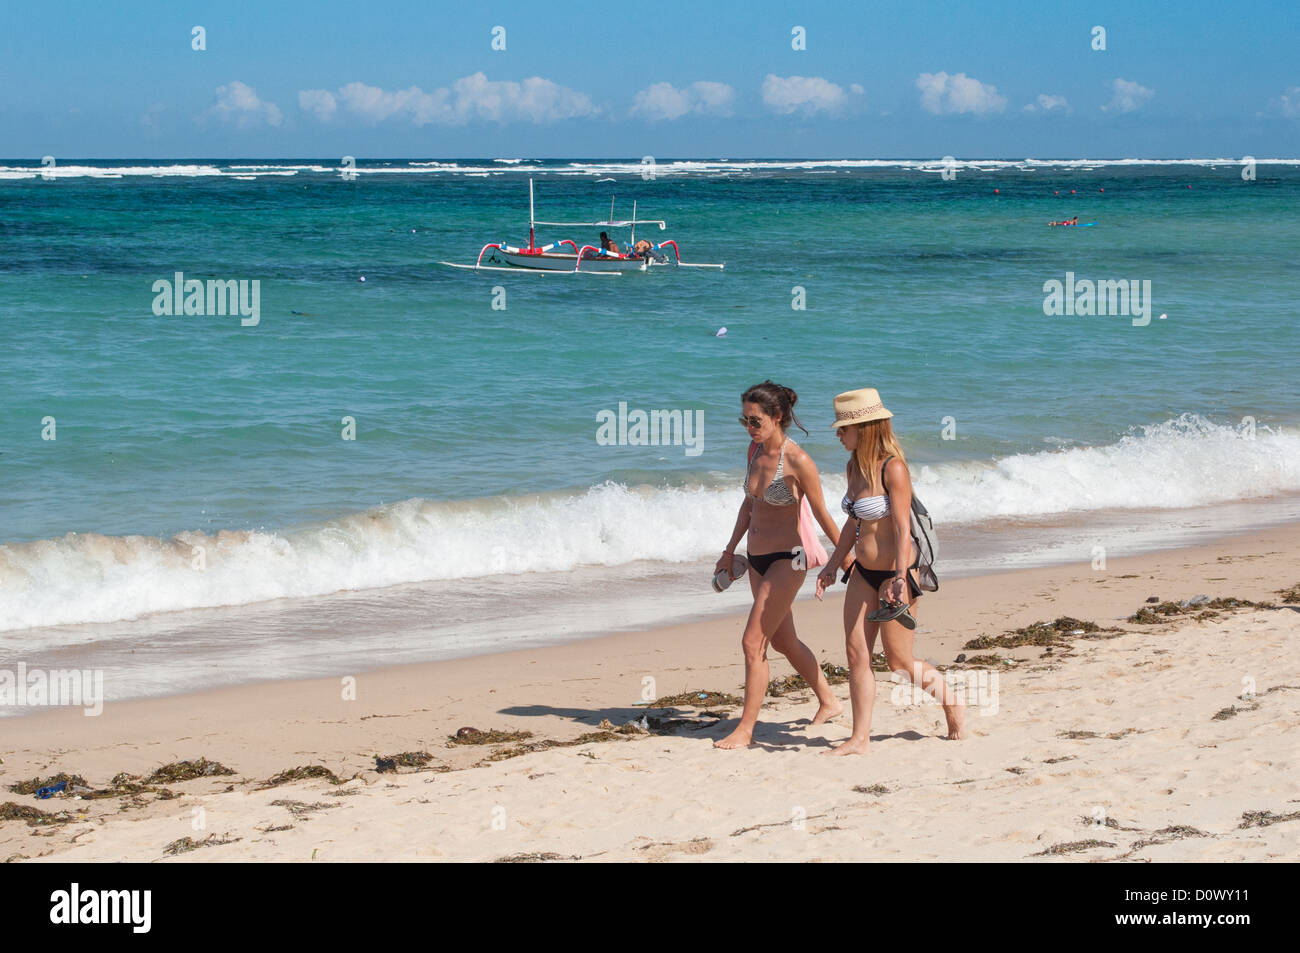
(740,738)
(825,712)
(852,746)
(956,715)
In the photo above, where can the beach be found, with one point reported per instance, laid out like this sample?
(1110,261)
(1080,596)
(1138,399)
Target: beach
(1172,740)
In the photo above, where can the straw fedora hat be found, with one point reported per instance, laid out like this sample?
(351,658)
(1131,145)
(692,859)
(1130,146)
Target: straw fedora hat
(858,407)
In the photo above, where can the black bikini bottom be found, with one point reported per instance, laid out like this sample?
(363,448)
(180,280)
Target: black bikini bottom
(763,561)
(877,577)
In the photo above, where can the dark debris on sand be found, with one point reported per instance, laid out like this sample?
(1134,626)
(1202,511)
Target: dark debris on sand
(186,844)
(126,785)
(1058,632)
(1198,607)
(473,736)
(418,760)
(300,809)
(835,674)
(606,732)
(1290,596)
(300,774)
(1072,847)
(35,817)
(696,699)
(1265,818)
(534,858)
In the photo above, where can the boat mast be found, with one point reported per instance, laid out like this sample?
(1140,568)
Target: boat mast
(633,240)
(531,216)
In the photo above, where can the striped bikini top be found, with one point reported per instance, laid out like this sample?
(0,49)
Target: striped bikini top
(778,492)
(869,507)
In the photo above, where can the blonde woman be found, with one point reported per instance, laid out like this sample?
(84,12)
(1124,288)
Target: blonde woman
(779,477)
(882,594)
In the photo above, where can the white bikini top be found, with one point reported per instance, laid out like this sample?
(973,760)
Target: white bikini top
(869,507)
(866,507)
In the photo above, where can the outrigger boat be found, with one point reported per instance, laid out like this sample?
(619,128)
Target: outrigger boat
(585,259)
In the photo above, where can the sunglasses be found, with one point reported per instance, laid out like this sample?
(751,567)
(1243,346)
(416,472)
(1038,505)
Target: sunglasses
(754,422)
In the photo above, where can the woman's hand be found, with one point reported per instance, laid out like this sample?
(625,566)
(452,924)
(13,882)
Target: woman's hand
(895,590)
(825,579)
(724,562)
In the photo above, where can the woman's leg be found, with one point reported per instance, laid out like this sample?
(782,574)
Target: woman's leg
(786,641)
(773,595)
(898,643)
(859,640)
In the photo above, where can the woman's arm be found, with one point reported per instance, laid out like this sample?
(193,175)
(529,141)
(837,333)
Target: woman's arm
(741,528)
(810,482)
(898,484)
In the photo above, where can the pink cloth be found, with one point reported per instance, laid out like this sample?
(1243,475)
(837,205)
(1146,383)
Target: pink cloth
(809,538)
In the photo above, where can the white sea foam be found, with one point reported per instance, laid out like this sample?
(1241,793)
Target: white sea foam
(79,578)
(1180,463)
(667,167)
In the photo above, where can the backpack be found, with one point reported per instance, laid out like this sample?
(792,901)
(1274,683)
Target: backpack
(924,543)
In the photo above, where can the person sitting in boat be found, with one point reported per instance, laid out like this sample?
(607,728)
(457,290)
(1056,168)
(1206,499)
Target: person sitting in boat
(609,245)
(1073,221)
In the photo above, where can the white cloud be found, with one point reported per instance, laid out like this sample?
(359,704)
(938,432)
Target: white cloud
(470,98)
(1047,103)
(666,101)
(1127,96)
(806,94)
(239,103)
(1289,102)
(318,101)
(944,94)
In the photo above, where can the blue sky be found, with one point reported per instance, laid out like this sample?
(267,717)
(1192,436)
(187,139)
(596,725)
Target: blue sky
(670,79)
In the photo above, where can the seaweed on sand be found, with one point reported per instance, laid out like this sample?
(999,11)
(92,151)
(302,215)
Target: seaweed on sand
(1200,608)
(406,759)
(606,732)
(186,844)
(473,736)
(179,771)
(1057,632)
(35,784)
(128,785)
(1072,847)
(876,789)
(301,809)
(302,773)
(696,699)
(533,858)
(835,674)
(1265,818)
(35,817)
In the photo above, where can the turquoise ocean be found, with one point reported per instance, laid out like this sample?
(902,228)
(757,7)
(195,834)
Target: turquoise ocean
(199,518)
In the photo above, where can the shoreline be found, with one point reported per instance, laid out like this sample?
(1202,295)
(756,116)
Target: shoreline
(364,631)
(563,692)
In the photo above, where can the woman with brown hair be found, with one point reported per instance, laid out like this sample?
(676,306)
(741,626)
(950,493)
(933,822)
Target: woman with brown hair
(780,479)
(882,594)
